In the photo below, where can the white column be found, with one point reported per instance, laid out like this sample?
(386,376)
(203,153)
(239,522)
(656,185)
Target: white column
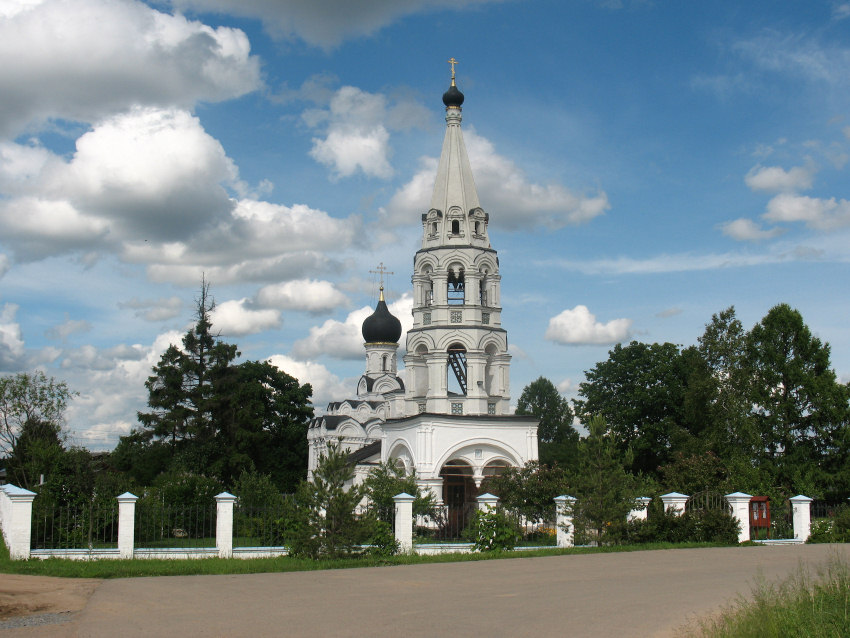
(18,528)
(564,530)
(487,502)
(674,502)
(126,524)
(224,524)
(404,521)
(640,510)
(802,516)
(740,503)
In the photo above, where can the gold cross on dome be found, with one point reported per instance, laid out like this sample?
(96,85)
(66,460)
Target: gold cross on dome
(381,271)
(452,61)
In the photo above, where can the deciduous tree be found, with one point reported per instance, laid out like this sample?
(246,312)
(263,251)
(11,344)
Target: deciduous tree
(32,415)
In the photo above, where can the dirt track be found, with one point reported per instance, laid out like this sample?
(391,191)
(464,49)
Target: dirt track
(635,594)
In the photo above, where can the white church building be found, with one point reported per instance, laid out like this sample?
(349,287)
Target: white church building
(450,419)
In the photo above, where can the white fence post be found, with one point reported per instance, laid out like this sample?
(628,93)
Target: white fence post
(404,521)
(674,502)
(126,524)
(17,520)
(639,513)
(740,503)
(801,516)
(487,502)
(564,530)
(224,524)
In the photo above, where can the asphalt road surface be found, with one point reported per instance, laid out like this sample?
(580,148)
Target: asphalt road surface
(648,593)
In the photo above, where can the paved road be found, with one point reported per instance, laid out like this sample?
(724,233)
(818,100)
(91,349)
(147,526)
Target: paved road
(631,594)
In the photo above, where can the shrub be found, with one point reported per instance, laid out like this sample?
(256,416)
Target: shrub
(323,521)
(382,541)
(493,530)
(697,526)
(832,530)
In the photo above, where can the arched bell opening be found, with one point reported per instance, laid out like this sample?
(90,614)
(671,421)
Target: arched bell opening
(456,370)
(455,287)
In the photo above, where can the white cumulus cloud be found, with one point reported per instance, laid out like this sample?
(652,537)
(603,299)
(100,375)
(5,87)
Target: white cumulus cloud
(325,23)
(579,326)
(308,295)
(744,229)
(817,213)
(777,180)
(85,59)
(236,317)
(355,136)
(344,339)
(111,382)
(327,386)
(11,339)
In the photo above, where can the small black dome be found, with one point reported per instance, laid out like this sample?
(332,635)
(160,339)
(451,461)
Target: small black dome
(453,97)
(381,326)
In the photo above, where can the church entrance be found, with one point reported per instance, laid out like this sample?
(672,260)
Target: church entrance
(459,494)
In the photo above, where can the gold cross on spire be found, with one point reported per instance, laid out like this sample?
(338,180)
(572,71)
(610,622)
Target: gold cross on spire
(452,61)
(381,271)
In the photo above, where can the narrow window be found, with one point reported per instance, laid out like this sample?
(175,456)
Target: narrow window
(455,227)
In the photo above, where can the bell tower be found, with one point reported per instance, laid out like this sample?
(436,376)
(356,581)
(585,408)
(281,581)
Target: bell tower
(457,357)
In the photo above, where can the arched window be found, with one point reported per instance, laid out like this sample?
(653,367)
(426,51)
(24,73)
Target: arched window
(455,227)
(434,228)
(384,363)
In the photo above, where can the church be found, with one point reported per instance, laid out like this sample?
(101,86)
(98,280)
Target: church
(449,419)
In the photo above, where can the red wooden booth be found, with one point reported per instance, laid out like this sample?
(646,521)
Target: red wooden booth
(760,517)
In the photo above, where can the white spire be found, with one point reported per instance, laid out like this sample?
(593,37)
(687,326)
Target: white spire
(454,185)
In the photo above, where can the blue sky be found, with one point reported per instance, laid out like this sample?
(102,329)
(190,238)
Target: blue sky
(645,165)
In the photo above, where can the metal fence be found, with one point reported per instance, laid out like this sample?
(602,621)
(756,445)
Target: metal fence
(88,525)
(260,525)
(165,525)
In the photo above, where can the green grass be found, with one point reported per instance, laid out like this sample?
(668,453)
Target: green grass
(803,605)
(109,568)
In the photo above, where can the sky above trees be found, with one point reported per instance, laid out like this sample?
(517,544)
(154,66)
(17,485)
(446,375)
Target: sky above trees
(644,165)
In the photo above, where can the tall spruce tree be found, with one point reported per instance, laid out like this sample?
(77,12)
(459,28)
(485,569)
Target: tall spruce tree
(604,489)
(181,390)
(219,418)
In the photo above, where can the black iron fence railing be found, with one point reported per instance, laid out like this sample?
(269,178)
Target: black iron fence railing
(88,525)
(259,525)
(165,525)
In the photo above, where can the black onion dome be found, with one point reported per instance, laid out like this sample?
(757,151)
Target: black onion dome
(453,97)
(381,326)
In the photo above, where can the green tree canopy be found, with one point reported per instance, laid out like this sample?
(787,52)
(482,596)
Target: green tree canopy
(209,415)
(640,393)
(32,415)
(799,409)
(558,439)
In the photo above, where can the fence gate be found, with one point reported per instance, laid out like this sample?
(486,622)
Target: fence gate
(708,501)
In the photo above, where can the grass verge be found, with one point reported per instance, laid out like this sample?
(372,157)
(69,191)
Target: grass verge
(804,605)
(166,567)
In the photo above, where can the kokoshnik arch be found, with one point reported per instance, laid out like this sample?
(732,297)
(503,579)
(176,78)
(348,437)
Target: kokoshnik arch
(451,420)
